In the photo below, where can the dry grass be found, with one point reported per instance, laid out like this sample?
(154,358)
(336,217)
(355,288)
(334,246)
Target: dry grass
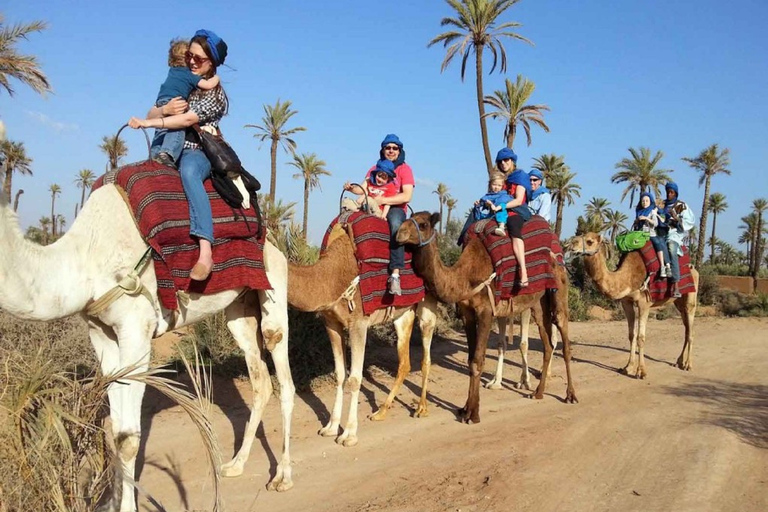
(55,453)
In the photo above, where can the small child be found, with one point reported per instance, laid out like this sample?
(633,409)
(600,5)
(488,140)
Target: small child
(647,219)
(494,203)
(380,183)
(180,82)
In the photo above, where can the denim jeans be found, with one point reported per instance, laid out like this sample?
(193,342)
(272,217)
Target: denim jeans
(660,245)
(673,260)
(167,141)
(195,168)
(395,218)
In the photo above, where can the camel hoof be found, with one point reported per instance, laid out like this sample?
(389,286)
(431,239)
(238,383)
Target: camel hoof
(347,441)
(231,469)
(523,385)
(537,396)
(422,412)
(494,384)
(380,415)
(684,366)
(328,431)
(641,375)
(280,486)
(468,417)
(570,397)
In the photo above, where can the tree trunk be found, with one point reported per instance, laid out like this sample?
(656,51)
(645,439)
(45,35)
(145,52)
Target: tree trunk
(273,182)
(441,215)
(16,200)
(481,107)
(53,217)
(703,224)
(559,218)
(306,207)
(511,135)
(448,221)
(7,185)
(82,197)
(712,251)
(757,246)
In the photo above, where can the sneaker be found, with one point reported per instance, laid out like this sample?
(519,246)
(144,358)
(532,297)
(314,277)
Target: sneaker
(668,269)
(663,271)
(676,293)
(500,231)
(164,159)
(394,285)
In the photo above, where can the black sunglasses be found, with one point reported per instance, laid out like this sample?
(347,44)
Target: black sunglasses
(392,148)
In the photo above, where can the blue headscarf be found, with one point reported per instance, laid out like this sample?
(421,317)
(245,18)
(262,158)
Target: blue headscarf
(542,189)
(520,177)
(671,185)
(505,153)
(645,212)
(384,166)
(216,44)
(391,138)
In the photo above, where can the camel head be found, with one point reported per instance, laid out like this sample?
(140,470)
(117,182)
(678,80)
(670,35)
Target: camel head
(419,230)
(587,244)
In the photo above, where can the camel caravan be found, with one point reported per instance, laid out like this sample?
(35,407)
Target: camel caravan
(131,267)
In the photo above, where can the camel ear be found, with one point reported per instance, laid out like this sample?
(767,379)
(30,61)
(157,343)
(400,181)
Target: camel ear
(600,239)
(434,219)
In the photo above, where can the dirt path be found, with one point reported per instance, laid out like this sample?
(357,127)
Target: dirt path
(676,441)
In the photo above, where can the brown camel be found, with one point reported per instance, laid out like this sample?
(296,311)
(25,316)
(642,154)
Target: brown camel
(624,285)
(463,283)
(323,288)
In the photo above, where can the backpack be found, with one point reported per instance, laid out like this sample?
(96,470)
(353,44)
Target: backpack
(632,240)
(225,187)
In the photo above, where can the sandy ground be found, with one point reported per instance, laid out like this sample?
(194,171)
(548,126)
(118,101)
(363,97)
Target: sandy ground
(683,441)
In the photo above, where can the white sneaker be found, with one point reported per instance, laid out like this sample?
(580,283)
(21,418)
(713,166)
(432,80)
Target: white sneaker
(500,231)
(663,271)
(668,269)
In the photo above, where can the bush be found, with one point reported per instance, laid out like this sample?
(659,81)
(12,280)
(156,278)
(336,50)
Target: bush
(733,303)
(708,287)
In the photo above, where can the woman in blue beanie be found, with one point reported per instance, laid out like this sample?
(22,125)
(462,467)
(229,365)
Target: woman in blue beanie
(206,52)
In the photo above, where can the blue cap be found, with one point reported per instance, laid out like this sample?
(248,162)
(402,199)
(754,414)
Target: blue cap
(391,138)
(217,45)
(505,153)
(535,173)
(384,166)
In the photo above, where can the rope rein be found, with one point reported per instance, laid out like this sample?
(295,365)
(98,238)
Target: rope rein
(129,285)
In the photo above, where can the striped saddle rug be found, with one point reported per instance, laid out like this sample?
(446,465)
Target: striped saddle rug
(660,288)
(371,237)
(161,212)
(539,241)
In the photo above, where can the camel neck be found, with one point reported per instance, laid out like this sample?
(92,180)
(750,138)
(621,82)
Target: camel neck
(619,283)
(449,284)
(315,287)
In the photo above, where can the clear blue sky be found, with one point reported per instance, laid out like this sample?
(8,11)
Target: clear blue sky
(675,76)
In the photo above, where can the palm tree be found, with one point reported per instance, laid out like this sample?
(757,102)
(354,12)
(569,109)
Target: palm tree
(614,222)
(55,190)
(16,199)
(45,223)
(450,204)
(15,159)
(62,222)
(749,231)
(559,179)
(474,29)
(273,128)
(716,204)
(311,168)
(758,207)
(709,162)
(275,215)
(23,68)
(597,210)
(442,193)
(511,108)
(115,149)
(84,180)
(640,173)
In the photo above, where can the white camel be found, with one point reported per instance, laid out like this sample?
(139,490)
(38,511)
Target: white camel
(102,247)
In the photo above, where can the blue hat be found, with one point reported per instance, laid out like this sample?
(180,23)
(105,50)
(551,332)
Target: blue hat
(384,166)
(392,139)
(535,173)
(671,185)
(217,45)
(505,153)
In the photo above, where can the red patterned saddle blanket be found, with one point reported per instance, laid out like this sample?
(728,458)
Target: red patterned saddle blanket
(660,288)
(539,241)
(371,237)
(161,211)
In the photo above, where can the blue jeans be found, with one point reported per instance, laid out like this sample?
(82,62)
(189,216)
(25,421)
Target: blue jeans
(167,141)
(195,168)
(673,260)
(660,245)
(395,218)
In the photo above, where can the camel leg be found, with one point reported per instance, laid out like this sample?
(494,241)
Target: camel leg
(358,332)
(561,319)
(403,328)
(687,307)
(629,312)
(479,330)
(427,313)
(543,318)
(248,337)
(525,374)
(126,344)
(643,310)
(335,332)
(495,383)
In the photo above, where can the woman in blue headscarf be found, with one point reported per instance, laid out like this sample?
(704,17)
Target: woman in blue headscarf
(541,200)
(206,108)
(647,219)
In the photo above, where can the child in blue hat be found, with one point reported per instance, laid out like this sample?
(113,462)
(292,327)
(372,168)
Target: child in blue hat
(380,183)
(494,203)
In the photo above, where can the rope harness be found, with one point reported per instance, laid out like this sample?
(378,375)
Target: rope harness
(129,285)
(422,242)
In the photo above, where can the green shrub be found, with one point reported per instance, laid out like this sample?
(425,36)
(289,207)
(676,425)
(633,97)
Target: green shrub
(708,288)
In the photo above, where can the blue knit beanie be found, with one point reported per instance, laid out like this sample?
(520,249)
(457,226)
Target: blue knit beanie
(671,185)
(392,139)
(217,45)
(535,173)
(505,153)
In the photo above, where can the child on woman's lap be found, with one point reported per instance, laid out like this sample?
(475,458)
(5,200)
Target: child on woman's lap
(494,204)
